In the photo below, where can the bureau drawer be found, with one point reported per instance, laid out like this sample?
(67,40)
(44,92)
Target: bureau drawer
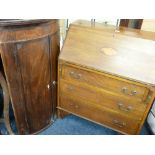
(108,82)
(99,115)
(130,108)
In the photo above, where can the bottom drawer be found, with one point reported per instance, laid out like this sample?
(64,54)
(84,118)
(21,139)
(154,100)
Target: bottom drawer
(100,115)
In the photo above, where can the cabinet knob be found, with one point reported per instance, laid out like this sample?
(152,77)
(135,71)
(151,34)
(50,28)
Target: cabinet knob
(54,83)
(48,86)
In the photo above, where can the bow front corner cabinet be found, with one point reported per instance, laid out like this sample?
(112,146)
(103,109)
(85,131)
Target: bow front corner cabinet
(29,51)
(107,75)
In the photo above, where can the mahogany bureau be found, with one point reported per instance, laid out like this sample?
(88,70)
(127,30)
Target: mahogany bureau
(107,76)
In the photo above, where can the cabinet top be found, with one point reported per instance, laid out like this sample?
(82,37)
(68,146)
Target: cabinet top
(17,22)
(16,31)
(124,52)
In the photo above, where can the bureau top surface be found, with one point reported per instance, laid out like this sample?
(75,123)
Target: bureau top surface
(126,53)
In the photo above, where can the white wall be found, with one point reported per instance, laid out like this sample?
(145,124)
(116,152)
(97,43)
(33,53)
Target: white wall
(148,25)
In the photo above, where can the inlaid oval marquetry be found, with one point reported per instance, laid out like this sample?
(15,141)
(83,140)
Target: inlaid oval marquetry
(108,51)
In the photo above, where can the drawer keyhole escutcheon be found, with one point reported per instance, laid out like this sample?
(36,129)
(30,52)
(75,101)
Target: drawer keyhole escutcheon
(76,106)
(71,104)
(70,88)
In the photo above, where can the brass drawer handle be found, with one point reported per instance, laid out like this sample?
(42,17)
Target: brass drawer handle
(126,91)
(119,124)
(75,75)
(123,108)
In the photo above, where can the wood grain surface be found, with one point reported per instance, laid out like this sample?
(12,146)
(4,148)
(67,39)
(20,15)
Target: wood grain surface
(107,76)
(29,54)
(134,57)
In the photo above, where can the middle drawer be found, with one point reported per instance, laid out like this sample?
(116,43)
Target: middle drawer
(96,96)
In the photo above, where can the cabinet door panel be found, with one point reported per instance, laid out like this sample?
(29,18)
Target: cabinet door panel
(34,62)
(15,86)
(28,72)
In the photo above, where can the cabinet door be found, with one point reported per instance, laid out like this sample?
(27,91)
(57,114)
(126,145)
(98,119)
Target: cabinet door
(54,52)
(28,71)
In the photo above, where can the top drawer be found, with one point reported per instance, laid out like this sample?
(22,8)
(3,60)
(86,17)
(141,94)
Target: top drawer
(105,81)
